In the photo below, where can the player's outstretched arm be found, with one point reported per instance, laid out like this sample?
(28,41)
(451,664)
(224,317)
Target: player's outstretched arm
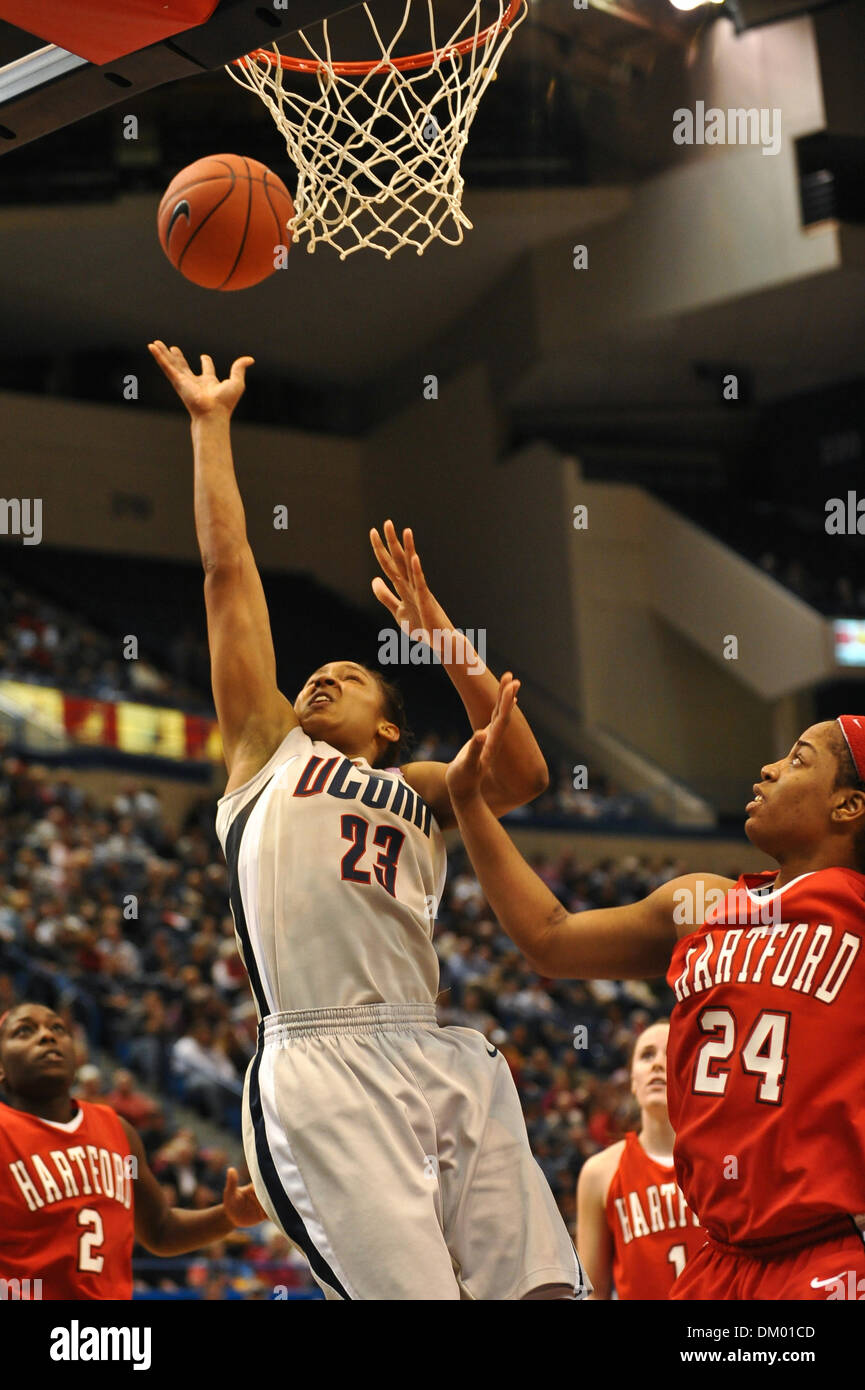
(631,942)
(165,1230)
(520,773)
(253,715)
(594,1239)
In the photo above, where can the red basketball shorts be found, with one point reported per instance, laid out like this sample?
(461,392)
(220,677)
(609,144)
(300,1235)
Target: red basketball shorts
(832,1270)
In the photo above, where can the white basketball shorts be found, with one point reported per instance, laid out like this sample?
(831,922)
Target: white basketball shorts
(394,1154)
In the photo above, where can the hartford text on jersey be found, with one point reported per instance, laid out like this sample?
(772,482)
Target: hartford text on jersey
(81,1169)
(797,954)
(677,1213)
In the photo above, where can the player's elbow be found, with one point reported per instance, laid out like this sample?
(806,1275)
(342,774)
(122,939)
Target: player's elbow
(531,783)
(156,1238)
(153,1247)
(538,779)
(223,562)
(544,950)
(542,959)
(154,1244)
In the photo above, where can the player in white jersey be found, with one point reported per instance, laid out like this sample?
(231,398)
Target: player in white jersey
(391,1151)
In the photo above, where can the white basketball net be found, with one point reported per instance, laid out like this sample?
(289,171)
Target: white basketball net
(378,153)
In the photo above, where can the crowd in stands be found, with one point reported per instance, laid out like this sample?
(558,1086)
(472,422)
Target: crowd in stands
(838,595)
(40,641)
(127,929)
(787,540)
(594,801)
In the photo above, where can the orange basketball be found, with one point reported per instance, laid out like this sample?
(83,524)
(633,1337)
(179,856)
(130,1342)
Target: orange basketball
(221,219)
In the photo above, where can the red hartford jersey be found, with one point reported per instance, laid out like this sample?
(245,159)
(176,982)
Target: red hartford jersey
(766,1059)
(654,1233)
(66,1205)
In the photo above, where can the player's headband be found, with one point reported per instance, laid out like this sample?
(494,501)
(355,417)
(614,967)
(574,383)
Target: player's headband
(853,729)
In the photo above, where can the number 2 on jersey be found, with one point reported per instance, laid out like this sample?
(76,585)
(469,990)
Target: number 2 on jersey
(386,837)
(763,1053)
(91,1236)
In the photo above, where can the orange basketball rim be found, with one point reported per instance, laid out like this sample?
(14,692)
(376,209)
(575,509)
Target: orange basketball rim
(377,143)
(409,63)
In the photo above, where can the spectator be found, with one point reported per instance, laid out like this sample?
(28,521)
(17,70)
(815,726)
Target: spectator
(205,1069)
(228,973)
(89,1084)
(148,1048)
(179,1166)
(118,955)
(129,1102)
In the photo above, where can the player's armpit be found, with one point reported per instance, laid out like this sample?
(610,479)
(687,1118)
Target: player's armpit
(254,716)
(428,780)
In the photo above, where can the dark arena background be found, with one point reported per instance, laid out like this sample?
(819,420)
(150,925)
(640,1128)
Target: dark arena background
(625,418)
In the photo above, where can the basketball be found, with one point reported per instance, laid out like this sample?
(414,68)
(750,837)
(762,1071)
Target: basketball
(220,220)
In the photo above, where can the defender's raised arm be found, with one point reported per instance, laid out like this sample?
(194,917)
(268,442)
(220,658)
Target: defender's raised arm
(631,942)
(520,773)
(253,715)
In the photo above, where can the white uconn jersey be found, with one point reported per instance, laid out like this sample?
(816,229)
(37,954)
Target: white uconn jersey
(334,872)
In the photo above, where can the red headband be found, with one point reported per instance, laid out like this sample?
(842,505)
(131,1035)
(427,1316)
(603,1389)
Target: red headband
(853,729)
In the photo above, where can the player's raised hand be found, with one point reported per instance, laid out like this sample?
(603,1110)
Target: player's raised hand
(411,601)
(203,393)
(476,760)
(240,1204)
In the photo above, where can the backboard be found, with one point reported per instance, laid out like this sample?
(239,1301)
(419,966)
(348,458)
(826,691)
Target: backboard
(100,53)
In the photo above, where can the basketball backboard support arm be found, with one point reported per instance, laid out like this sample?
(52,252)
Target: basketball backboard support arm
(51,88)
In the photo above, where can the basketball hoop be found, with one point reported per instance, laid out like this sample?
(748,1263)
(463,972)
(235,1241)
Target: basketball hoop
(378,144)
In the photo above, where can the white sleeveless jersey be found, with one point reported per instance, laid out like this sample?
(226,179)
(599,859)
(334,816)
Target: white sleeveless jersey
(335,872)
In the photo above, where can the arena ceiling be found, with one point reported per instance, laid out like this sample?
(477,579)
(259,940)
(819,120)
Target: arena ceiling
(564,136)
